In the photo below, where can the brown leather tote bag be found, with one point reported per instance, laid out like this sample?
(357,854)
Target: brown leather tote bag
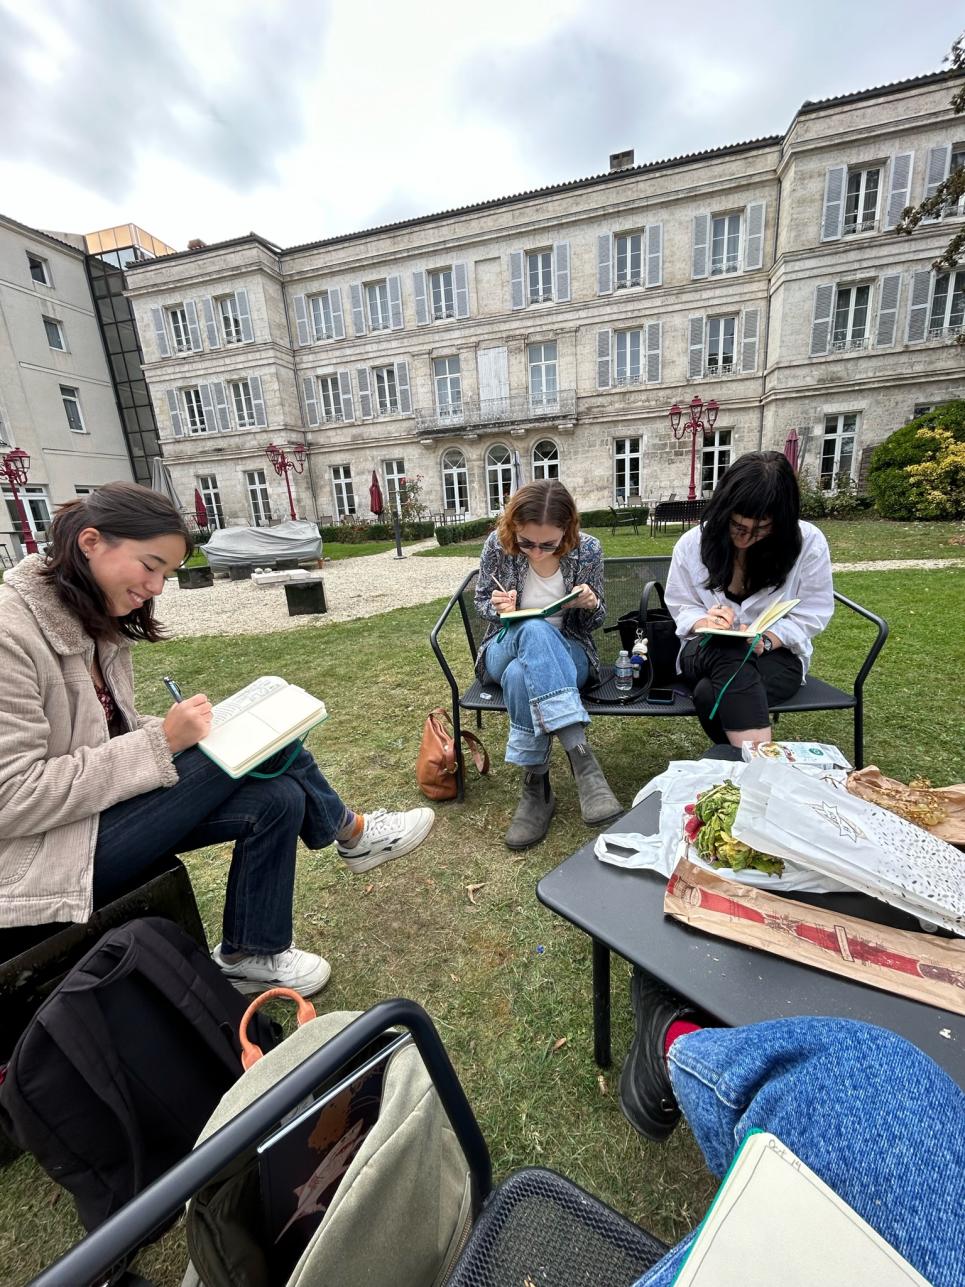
(435,768)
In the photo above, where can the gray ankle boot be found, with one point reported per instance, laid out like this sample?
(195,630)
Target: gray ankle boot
(598,804)
(531,821)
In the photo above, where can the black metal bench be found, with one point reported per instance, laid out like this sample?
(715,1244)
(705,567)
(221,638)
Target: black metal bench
(624,581)
(684,512)
(628,516)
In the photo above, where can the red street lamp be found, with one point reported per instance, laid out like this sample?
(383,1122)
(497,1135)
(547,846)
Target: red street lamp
(283,464)
(14,467)
(693,426)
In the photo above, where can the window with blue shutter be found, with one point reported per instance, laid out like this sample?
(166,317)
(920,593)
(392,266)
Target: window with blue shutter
(655,254)
(402,384)
(210,323)
(754,239)
(421,293)
(258,401)
(194,330)
(335,307)
(345,391)
(222,415)
(517,298)
(394,285)
(365,393)
(460,273)
(174,411)
(750,331)
(654,333)
(561,271)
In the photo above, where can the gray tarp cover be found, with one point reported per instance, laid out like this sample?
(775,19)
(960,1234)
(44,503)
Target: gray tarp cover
(257,545)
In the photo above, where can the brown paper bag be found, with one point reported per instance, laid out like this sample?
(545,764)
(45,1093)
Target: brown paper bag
(871,784)
(919,966)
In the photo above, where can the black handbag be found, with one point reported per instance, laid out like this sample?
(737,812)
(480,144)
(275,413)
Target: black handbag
(657,626)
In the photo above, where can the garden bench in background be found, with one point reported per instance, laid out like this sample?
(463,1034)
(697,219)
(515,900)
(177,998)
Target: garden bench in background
(456,636)
(686,513)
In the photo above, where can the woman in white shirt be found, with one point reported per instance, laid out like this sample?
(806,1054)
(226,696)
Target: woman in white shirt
(750,550)
(536,555)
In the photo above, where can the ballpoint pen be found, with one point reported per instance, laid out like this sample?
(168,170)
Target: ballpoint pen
(172,688)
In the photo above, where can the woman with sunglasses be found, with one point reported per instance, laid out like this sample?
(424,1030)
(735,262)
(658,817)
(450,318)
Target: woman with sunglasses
(750,550)
(536,555)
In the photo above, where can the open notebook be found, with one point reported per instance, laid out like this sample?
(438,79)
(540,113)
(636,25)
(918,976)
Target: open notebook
(774,1223)
(524,614)
(258,721)
(762,622)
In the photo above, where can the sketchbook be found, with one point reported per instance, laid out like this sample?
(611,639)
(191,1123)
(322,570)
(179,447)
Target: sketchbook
(258,721)
(774,1223)
(763,622)
(525,614)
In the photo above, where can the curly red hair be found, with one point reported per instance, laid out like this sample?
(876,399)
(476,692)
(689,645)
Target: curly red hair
(546,503)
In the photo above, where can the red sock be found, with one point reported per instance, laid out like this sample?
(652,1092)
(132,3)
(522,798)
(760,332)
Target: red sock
(677,1029)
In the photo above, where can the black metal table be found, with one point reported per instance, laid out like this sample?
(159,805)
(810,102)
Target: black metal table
(622,911)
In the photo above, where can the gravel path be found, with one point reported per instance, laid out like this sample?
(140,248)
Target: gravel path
(362,587)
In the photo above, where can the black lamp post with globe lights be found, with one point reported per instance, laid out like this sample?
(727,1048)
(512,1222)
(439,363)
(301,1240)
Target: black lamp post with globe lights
(14,466)
(283,464)
(693,426)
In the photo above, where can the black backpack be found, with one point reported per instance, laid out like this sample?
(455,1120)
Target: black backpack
(120,1068)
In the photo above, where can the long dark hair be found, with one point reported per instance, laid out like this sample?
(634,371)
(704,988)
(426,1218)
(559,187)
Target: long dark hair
(760,485)
(119,511)
(546,503)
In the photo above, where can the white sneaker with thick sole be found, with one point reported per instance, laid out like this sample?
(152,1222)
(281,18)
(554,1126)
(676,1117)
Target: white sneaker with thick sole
(303,971)
(385,836)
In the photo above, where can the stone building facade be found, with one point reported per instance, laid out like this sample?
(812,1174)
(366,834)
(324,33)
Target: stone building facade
(547,334)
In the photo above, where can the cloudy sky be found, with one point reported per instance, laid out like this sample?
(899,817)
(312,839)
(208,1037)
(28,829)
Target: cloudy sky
(303,119)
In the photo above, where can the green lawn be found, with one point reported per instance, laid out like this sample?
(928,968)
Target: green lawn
(410,928)
(851,542)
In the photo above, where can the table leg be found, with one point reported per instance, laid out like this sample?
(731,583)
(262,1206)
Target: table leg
(601,1004)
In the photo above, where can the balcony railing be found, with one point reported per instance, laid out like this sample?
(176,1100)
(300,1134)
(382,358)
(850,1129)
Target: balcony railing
(494,413)
(846,345)
(726,367)
(946,332)
(852,226)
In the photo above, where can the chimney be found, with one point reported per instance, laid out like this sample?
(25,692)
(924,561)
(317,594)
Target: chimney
(197,244)
(621,160)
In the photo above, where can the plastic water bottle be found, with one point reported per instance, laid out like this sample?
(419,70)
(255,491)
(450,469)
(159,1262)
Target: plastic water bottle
(623,672)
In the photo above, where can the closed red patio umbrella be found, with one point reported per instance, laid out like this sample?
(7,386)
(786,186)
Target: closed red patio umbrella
(201,510)
(791,448)
(376,503)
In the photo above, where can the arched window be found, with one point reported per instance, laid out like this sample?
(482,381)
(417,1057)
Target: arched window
(499,476)
(546,460)
(455,481)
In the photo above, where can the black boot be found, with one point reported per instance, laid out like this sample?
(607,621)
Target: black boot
(598,804)
(537,804)
(646,1095)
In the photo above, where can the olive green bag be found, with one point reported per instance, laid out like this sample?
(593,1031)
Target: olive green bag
(400,1215)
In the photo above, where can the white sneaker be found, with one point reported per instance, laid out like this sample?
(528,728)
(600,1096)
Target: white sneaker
(387,835)
(303,971)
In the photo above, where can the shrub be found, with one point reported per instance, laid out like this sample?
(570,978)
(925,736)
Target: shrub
(818,502)
(454,533)
(358,532)
(937,483)
(897,493)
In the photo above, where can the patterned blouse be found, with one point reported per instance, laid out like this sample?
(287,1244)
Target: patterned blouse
(582,566)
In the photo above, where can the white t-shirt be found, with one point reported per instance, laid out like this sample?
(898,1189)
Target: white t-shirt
(538,591)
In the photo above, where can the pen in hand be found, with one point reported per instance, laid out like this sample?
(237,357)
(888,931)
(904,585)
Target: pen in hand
(172,688)
(500,586)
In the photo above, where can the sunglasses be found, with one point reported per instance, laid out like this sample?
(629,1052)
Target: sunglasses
(546,546)
(758,529)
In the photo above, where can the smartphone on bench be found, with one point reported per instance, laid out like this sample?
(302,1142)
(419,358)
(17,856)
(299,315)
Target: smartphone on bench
(661,696)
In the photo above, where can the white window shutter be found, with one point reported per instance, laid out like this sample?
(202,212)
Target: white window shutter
(174,411)
(258,401)
(210,323)
(421,298)
(402,384)
(194,330)
(937,171)
(900,188)
(889,293)
(394,285)
(358,312)
(365,395)
(749,339)
(207,404)
(695,360)
(653,337)
(221,405)
(460,279)
(918,309)
(301,321)
(517,296)
(335,304)
(561,272)
(821,319)
(160,332)
(345,393)
(832,218)
(701,245)
(754,235)
(603,342)
(604,263)
(244,315)
(311,399)
(654,236)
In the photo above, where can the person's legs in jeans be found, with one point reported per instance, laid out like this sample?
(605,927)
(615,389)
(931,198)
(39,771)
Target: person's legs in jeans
(755,684)
(873,1116)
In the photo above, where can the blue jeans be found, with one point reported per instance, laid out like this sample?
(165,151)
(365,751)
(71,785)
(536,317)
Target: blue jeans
(867,1111)
(264,818)
(541,673)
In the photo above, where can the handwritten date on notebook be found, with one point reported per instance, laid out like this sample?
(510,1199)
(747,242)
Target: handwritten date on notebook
(259,720)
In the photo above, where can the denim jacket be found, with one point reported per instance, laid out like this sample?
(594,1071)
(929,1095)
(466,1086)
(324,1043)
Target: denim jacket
(582,566)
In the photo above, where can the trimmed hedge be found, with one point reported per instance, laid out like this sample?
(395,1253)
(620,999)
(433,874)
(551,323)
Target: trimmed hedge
(357,533)
(456,533)
(895,494)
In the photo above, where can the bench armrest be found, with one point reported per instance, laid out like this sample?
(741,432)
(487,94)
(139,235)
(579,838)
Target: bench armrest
(877,644)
